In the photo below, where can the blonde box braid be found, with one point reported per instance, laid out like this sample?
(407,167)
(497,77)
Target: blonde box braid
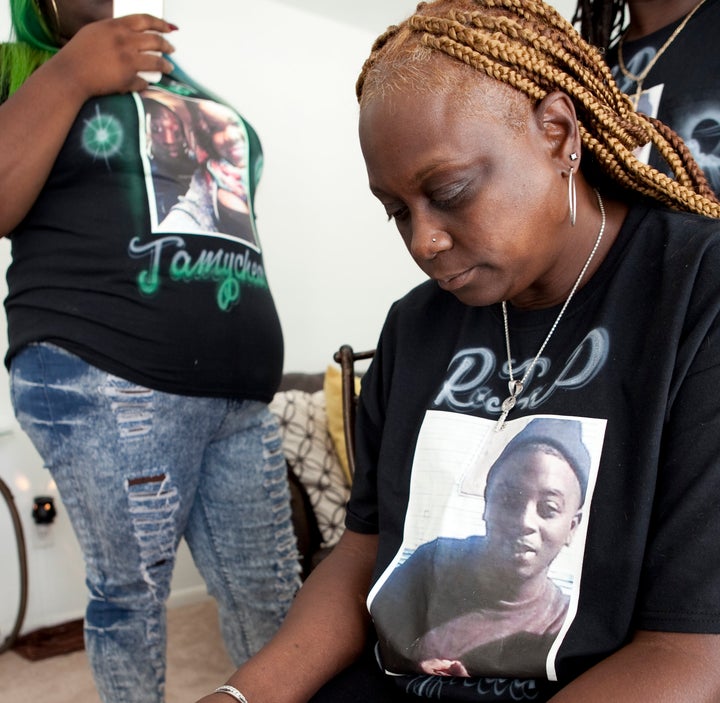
(529,46)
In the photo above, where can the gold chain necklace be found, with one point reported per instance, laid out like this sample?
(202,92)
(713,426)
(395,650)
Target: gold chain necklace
(514,386)
(640,77)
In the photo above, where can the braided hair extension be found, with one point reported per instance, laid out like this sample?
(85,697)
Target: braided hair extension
(601,22)
(529,46)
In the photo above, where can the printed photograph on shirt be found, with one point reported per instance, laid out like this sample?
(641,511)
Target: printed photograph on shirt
(196,166)
(700,130)
(697,122)
(488,574)
(649,103)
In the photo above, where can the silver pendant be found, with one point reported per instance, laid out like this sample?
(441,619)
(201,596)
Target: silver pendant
(515,388)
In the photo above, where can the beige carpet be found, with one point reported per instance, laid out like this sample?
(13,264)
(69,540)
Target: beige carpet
(197,663)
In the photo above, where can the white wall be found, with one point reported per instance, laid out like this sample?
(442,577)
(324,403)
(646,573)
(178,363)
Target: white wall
(333,262)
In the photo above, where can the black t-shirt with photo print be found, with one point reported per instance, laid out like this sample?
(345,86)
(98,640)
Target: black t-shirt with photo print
(682,88)
(183,308)
(634,360)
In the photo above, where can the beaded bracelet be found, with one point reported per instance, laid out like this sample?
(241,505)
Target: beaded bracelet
(231,691)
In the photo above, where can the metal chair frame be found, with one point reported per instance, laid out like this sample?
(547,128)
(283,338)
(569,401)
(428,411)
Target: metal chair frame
(347,357)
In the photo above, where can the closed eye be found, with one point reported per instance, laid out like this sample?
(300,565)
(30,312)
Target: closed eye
(399,214)
(451,199)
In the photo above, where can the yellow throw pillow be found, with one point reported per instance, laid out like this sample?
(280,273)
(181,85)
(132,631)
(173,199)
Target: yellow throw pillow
(332,387)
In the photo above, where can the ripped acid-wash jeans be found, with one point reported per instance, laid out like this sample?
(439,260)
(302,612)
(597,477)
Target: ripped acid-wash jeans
(137,470)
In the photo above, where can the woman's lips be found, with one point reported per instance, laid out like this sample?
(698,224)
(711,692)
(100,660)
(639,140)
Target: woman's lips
(455,281)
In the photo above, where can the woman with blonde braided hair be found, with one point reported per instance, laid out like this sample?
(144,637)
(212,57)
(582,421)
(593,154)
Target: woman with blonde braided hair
(610,129)
(534,509)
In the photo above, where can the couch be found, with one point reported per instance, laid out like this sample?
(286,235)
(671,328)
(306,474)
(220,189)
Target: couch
(309,408)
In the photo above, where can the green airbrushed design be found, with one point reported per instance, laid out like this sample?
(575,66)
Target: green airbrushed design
(231,271)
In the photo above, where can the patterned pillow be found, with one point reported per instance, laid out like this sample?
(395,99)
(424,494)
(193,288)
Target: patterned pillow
(310,452)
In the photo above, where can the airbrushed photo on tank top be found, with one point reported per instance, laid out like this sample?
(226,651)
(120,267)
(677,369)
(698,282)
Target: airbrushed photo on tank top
(196,167)
(697,122)
(487,578)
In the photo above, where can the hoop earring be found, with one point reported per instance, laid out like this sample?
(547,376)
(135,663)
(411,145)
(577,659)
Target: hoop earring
(572,196)
(56,15)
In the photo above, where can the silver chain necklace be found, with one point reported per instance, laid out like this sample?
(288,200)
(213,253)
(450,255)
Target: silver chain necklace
(516,387)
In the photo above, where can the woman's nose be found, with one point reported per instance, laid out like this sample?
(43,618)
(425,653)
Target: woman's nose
(428,239)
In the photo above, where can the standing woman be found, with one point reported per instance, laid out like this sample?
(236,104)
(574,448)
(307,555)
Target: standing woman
(141,362)
(568,282)
(663,55)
